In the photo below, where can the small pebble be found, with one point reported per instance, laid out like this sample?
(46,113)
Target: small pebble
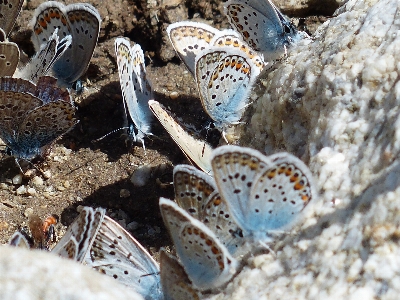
(124,193)
(60,188)
(121,214)
(174,95)
(17,179)
(66,184)
(3,186)
(132,226)
(47,174)
(140,176)
(28,212)
(31,191)
(21,190)
(37,181)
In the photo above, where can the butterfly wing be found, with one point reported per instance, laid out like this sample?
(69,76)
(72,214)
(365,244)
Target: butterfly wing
(206,261)
(174,280)
(9,11)
(197,151)
(9,58)
(42,126)
(19,240)
(80,235)
(257,22)
(197,194)
(117,254)
(47,90)
(229,38)
(84,21)
(44,60)
(279,195)
(224,77)
(47,17)
(189,39)
(139,110)
(15,103)
(81,21)
(236,170)
(135,87)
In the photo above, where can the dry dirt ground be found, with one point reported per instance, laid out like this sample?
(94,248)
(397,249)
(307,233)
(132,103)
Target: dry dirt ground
(98,174)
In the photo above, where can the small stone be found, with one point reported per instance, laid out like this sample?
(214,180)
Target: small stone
(47,174)
(37,181)
(17,179)
(140,176)
(121,214)
(28,212)
(21,190)
(174,95)
(60,188)
(49,189)
(132,226)
(66,184)
(124,193)
(3,186)
(31,191)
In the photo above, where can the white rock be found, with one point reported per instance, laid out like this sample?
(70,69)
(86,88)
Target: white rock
(31,191)
(335,103)
(47,174)
(42,275)
(17,179)
(21,190)
(141,175)
(37,181)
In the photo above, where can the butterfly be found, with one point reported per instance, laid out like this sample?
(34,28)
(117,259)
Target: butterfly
(205,259)
(191,38)
(136,89)
(43,61)
(224,78)
(262,26)
(263,193)
(197,194)
(117,254)
(82,22)
(197,151)
(33,116)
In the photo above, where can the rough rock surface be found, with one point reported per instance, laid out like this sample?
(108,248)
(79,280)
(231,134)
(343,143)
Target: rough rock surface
(335,103)
(26,274)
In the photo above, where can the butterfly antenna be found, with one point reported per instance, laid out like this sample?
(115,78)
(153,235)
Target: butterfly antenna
(268,248)
(115,130)
(19,166)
